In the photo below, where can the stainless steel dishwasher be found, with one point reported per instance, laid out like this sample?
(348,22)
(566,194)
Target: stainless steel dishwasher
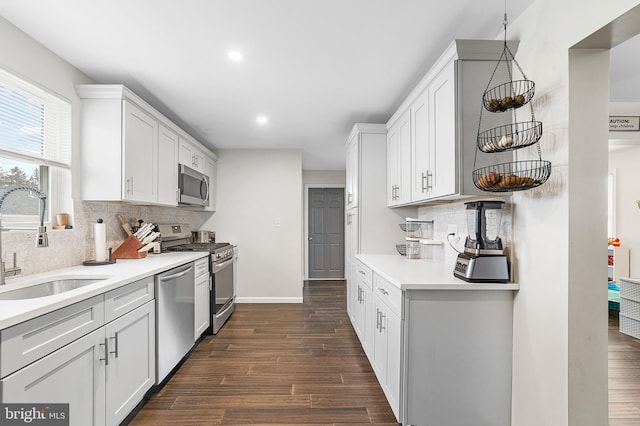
(174,317)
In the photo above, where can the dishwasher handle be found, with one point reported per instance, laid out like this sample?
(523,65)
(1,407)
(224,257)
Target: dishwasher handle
(177,275)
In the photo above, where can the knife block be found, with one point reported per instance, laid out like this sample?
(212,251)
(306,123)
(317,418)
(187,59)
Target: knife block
(129,249)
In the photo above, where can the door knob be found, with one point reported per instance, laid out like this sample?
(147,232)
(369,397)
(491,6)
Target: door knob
(310,238)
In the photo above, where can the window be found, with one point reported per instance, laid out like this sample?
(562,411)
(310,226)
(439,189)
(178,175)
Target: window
(35,147)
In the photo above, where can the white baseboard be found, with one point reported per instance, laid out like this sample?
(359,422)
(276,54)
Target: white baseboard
(268,299)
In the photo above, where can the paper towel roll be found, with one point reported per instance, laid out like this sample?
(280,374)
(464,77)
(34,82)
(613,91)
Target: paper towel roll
(100,240)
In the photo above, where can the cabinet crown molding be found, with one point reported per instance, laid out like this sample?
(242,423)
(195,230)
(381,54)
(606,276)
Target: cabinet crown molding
(366,128)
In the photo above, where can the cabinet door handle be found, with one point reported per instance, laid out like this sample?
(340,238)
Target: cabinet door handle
(378,319)
(361,272)
(115,351)
(383,291)
(106,351)
(424,182)
(382,317)
(429,181)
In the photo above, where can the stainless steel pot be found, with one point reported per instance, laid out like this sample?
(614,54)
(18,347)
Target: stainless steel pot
(204,237)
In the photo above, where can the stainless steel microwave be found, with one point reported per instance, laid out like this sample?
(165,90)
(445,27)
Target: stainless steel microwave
(193,187)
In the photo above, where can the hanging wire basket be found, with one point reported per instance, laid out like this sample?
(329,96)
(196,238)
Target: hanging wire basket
(513,176)
(511,95)
(510,136)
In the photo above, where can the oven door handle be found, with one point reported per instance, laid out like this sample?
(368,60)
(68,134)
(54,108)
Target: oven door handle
(217,267)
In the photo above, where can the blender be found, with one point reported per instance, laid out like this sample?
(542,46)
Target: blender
(483,259)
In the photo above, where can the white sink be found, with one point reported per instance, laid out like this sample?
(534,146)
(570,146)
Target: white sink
(49,288)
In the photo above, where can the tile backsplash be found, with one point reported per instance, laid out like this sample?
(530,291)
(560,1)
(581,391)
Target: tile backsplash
(455,214)
(71,247)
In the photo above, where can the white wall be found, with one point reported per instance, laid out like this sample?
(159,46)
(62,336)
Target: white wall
(626,163)
(324,177)
(560,323)
(260,209)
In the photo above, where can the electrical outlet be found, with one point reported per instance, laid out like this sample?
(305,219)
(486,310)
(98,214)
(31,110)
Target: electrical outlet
(452,229)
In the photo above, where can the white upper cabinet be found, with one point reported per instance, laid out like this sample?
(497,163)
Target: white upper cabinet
(191,156)
(140,157)
(441,179)
(128,150)
(167,167)
(352,159)
(442,113)
(211,171)
(421,170)
(398,161)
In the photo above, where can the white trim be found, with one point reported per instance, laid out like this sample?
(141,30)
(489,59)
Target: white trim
(324,279)
(305,223)
(268,299)
(613,201)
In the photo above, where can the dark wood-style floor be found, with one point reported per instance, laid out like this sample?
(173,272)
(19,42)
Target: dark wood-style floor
(276,364)
(302,364)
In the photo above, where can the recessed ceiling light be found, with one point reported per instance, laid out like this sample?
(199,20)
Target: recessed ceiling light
(235,56)
(261,119)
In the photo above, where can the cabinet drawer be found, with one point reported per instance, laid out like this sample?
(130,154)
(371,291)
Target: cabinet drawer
(126,298)
(31,340)
(388,293)
(364,273)
(202,266)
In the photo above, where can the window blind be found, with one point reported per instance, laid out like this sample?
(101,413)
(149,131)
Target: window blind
(34,124)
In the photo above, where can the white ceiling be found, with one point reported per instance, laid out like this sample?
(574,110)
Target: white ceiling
(312,67)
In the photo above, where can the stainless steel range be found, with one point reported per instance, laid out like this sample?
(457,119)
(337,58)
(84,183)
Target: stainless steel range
(222,257)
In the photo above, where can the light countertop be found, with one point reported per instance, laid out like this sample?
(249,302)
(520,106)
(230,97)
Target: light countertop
(123,272)
(418,274)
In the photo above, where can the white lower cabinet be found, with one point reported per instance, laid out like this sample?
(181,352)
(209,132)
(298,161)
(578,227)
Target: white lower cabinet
(387,349)
(131,367)
(73,374)
(442,357)
(103,374)
(387,354)
(202,298)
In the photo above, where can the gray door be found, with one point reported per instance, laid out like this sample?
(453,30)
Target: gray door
(326,233)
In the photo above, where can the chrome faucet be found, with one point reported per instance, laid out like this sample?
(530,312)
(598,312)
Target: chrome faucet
(41,238)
